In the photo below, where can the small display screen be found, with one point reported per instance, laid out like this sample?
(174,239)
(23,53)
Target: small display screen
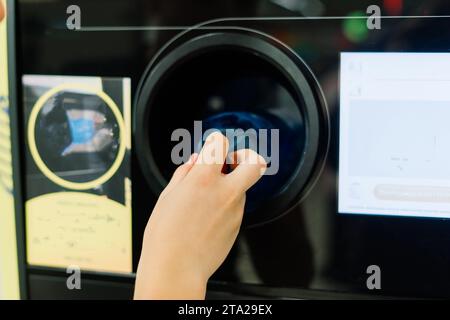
(78,176)
(394,143)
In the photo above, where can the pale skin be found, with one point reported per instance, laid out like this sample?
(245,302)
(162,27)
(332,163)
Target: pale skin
(195,222)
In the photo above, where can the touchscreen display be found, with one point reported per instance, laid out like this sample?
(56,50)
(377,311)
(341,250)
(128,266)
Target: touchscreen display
(394,143)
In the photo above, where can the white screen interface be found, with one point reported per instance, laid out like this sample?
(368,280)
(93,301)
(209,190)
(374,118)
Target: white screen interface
(394,142)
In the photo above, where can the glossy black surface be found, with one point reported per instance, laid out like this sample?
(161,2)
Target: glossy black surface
(312,247)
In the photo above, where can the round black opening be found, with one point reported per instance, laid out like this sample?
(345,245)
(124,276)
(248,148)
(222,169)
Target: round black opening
(228,88)
(233,81)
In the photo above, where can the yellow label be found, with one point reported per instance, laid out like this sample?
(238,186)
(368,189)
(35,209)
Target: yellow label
(9,274)
(79,229)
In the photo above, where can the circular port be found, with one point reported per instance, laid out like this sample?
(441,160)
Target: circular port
(240,83)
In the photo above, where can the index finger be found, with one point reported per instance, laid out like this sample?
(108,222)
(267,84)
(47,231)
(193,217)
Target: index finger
(213,154)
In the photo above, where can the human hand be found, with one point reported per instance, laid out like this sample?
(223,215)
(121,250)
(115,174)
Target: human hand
(195,222)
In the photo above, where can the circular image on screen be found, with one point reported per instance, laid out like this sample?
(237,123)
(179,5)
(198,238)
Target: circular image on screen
(76,137)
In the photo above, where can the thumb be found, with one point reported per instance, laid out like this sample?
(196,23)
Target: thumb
(249,167)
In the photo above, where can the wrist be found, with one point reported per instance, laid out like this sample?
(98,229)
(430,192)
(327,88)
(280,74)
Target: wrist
(162,281)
